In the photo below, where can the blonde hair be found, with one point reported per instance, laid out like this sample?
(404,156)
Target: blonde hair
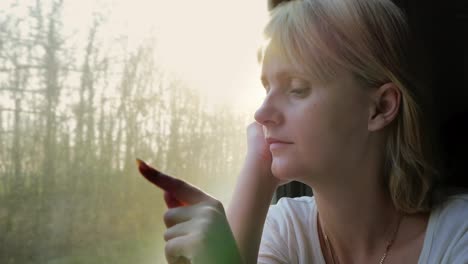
(370,39)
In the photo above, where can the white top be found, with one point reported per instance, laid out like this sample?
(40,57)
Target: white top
(290,233)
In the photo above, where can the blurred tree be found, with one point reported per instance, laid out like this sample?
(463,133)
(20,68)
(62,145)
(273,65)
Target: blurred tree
(74,115)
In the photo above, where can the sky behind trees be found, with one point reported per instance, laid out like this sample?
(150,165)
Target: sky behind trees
(88,86)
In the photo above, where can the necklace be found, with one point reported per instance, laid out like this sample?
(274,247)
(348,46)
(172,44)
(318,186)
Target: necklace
(387,248)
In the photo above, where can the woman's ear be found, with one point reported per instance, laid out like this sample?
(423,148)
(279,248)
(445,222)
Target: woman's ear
(385,107)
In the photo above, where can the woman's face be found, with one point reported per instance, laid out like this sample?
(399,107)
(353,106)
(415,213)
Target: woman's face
(326,124)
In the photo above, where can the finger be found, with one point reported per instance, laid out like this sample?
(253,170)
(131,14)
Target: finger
(171,201)
(156,177)
(180,229)
(180,247)
(180,189)
(178,215)
(182,260)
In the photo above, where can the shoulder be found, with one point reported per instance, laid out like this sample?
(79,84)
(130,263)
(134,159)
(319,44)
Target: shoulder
(291,215)
(292,209)
(452,209)
(447,233)
(296,203)
(289,234)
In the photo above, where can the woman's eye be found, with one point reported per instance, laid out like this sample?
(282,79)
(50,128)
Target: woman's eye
(301,91)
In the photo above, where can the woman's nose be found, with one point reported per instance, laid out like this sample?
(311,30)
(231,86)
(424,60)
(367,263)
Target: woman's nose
(268,113)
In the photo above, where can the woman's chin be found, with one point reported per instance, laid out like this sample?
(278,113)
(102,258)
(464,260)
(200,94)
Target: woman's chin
(282,170)
(287,171)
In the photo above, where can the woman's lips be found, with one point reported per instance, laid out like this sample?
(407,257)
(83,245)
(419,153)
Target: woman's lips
(277,143)
(271,140)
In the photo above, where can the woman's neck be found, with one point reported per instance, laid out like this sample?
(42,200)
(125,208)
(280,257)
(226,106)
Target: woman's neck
(358,222)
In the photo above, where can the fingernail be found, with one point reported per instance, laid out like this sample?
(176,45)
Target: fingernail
(156,177)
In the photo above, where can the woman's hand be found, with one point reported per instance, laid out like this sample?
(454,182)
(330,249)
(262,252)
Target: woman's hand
(197,228)
(258,153)
(200,233)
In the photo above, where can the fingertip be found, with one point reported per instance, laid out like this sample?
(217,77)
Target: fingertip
(139,162)
(176,187)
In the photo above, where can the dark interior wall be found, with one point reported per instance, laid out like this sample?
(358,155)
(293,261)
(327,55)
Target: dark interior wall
(440,29)
(441,34)
(454,67)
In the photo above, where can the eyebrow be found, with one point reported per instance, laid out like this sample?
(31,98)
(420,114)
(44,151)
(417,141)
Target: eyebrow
(282,75)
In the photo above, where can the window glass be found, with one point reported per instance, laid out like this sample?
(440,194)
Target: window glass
(88,86)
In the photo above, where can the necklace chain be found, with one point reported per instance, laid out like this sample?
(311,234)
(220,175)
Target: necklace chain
(387,248)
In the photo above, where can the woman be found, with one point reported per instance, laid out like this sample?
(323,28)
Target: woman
(341,114)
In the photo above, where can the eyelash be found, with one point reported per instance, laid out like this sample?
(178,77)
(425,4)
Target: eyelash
(300,91)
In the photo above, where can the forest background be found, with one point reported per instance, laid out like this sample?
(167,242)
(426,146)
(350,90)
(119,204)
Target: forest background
(79,101)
